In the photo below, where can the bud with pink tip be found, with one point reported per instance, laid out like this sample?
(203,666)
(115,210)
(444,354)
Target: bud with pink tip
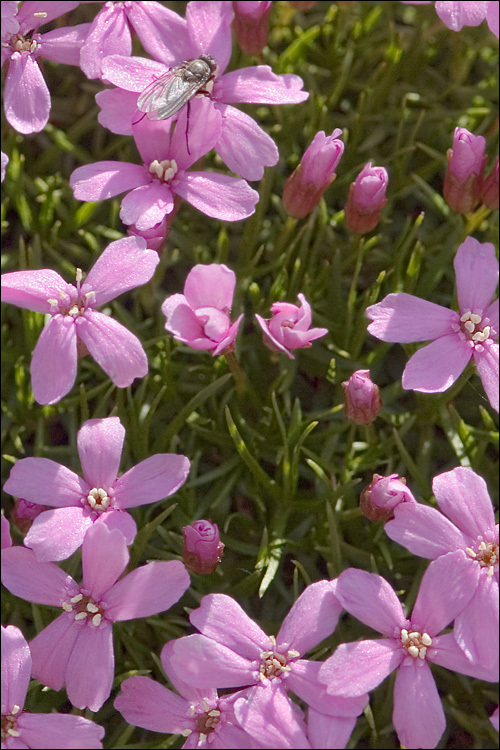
(251,25)
(290,327)
(463,179)
(316,171)
(489,190)
(361,398)
(380,497)
(202,547)
(366,199)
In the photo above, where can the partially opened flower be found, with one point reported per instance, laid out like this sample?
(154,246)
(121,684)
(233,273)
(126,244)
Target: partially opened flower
(366,199)
(76,649)
(75,326)
(101,497)
(201,547)
(290,327)
(457,337)
(200,317)
(251,24)
(362,402)
(379,499)
(24,729)
(464,175)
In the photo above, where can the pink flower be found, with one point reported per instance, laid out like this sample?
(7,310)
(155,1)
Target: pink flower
(200,317)
(242,144)
(251,24)
(383,495)
(99,498)
(76,649)
(29,113)
(366,199)
(464,176)
(467,523)
(199,711)
(456,15)
(316,171)
(202,547)
(233,651)
(409,647)
(362,402)
(289,328)
(76,327)
(152,186)
(28,730)
(489,189)
(457,337)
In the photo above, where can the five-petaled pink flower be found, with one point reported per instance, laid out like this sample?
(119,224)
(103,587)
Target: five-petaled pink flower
(290,327)
(409,646)
(76,327)
(76,649)
(23,729)
(100,497)
(457,337)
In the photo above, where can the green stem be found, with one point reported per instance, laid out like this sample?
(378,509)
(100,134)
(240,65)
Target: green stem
(239,376)
(358,250)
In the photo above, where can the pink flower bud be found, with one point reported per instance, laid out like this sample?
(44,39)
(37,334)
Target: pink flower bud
(315,173)
(463,179)
(361,398)
(366,199)
(251,25)
(489,190)
(25,512)
(289,328)
(378,500)
(202,547)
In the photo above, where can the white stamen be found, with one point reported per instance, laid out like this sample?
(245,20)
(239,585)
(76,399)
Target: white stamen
(76,598)
(40,14)
(475,318)
(469,325)
(15,709)
(404,635)
(12,732)
(426,639)
(293,654)
(470,552)
(67,607)
(422,652)
(81,616)
(413,651)
(414,634)
(186,732)
(96,620)
(92,607)
(79,275)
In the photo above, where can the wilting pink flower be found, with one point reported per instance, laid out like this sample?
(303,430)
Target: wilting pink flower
(202,547)
(366,199)
(26,97)
(464,176)
(101,497)
(200,317)
(6,539)
(152,186)
(467,523)
(316,171)
(457,337)
(362,402)
(22,729)
(458,14)
(378,500)
(76,649)
(233,651)
(289,328)
(242,144)
(251,24)
(410,645)
(489,189)
(199,711)
(76,327)
(24,513)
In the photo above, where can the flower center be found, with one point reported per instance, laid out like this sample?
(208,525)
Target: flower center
(74,301)
(205,721)
(485,553)
(164,170)
(19,43)
(415,643)
(275,664)
(97,500)
(84,609)
(9,724)
(476,328)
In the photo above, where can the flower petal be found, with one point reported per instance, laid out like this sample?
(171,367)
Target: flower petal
(447,653)
(197,131)
(476,627)
(476,269)
(487,363)
(32,289)
(105,179)
(270,717)
(423,725)
(121,520)
(123,265)
(64,45)
(356,668)
(147,205)
(209,29)
(60,730)
(100,445)
(56,534)
(463,496)
(43,481)
(424,531)
(44,583)
(206,663)
(457,15)
(329,731)
(51,649)
(109,34)
(404,318)
(131,73)
(243,145)
(218,195)
(153,479)
(435,367)
(312,618)
(16,669)
(147,590)
(259,85)
(220,617)
(303,680)
(91,666)
(104,558)
(145,703)
(54,361)
(26,96)
(210,285)
(163,33)
(117,110)
(369,598)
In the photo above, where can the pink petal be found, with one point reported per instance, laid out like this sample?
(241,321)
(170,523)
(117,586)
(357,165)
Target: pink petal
(243,145)
(100,445)
(304,681)
(188,691)
(60,730)
(369,598)
(56,534)
(131,73)
(43,481)
(206,663)
(104,558)
(271,718)
(312,618)
(16,669)
(260,86)
(487,363)
(463,496)
(218,195)
(118,519)
(118,108)
(492,312)
(147,205)
(210,285)
(182,321)
(51,649)
(456,15)
(54,361)
(163,33)
(424,531)
(356,668)
(198,129)
(220,617)
(43,583)
(492,19)
(32,289)
(476,269)
(147,590)
(28,20)
(26,96)
(155,478)
(6,540)
(124,265)
(91,665)
(274,343)
(209,29)
(145,703)
(424,723)
(447,653)
(105,179)
(152,138)
(404,318)
(228,339)
(114,348)
(435,367)
(109,34)
(329,731)
(64,45)
(476,627)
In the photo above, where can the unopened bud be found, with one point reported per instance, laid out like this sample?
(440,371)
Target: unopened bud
(378,500)
(251,25)
(361,398)
(464,176)
(202,547)
(366,199)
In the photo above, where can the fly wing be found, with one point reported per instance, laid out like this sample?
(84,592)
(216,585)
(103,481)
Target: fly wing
(165,96)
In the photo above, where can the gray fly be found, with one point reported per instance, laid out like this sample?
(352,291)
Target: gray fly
(175,88)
